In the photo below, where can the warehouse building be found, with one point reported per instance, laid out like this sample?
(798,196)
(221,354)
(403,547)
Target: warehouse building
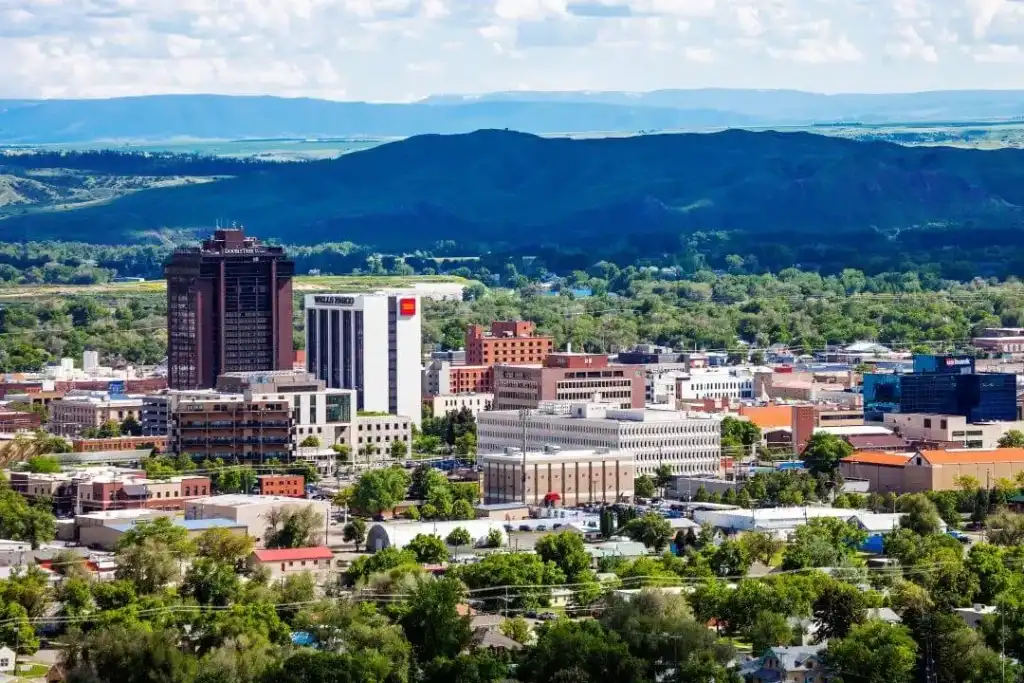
(248,511)
(398,535)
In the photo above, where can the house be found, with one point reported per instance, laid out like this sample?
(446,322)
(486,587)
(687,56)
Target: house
(284,561)
(7,660)
(796,664)
(973,615)
(493,640)
(884,614)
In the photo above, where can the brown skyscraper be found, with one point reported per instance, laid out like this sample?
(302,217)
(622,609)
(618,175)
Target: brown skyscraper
(229,309)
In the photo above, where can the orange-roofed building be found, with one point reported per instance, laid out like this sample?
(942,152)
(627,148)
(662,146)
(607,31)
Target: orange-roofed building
(768,417)
(932,470)
(884,471)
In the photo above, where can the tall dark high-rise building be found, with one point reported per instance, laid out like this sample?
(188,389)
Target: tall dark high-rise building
(229,309)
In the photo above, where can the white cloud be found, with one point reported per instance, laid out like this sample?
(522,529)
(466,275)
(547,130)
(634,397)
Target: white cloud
(394,49)
(912,46)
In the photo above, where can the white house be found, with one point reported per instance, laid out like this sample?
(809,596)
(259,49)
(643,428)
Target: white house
(7,656)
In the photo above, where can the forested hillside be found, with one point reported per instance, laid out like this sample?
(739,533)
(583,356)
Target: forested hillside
(772,199)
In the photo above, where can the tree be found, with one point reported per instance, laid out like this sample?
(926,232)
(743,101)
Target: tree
(769,629)
(566,551)
(399,449)
(210,582)
(459,537)
(463,509)
(823,453)
(920,514)
(224,545)
(151,552)
(432,622)
(516,628)
(1005,528)
(873,652)
(109,430)
(429,549)
(355,532)
(480,666)
(663,477)
(822,542)
(839,607)
(379,490)
(311,441)
(653,530)
(525,570)
(570,652)
(494,539)
(730,559)
(20,521)
(44,464)
(424,479)
(130,427)
(294,527)
(132,652)
(607,518)
(643,487)
(966,482)
(16,631)
(739,435)
(1013,438)
(761,546)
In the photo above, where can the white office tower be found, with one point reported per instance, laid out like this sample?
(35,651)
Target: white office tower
(371,343)
(90,360)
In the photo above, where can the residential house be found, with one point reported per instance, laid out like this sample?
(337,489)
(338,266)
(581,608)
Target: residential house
(796,664)
(282,562)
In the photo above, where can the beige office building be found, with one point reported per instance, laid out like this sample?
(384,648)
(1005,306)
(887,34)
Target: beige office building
(949,430)
(79,411)
(563,477)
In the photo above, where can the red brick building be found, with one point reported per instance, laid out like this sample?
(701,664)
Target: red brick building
(115,493)
(508,342)
(569,377)
(471,379)
(290,485)
(13,420)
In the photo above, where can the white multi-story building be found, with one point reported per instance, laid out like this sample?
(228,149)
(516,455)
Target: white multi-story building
(452,403)
(688,443)
(370,343)
(701,383)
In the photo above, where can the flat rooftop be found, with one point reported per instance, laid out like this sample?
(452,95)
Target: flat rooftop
(240,500)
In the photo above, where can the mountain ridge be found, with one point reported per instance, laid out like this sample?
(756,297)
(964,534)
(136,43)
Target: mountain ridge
(221,117)
(761,192)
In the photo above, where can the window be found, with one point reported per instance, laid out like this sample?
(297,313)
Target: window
(927,423)
(942,424)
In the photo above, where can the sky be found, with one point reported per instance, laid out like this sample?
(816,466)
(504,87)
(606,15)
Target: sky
(402,50)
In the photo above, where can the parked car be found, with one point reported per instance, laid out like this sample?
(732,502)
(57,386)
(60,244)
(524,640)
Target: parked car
(547,616)
(524,527)
(541,527)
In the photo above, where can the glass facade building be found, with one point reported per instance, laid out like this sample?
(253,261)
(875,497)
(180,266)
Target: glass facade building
(942,385)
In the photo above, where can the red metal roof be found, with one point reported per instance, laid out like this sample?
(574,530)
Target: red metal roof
(293,554)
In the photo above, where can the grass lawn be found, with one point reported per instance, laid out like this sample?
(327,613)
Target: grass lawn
(32,670)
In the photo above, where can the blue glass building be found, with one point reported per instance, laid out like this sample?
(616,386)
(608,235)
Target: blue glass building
(942,385)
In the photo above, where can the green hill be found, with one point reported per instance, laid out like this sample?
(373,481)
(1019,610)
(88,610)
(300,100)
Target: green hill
(504,189)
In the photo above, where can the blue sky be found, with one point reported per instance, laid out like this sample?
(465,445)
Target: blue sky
(400,50)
